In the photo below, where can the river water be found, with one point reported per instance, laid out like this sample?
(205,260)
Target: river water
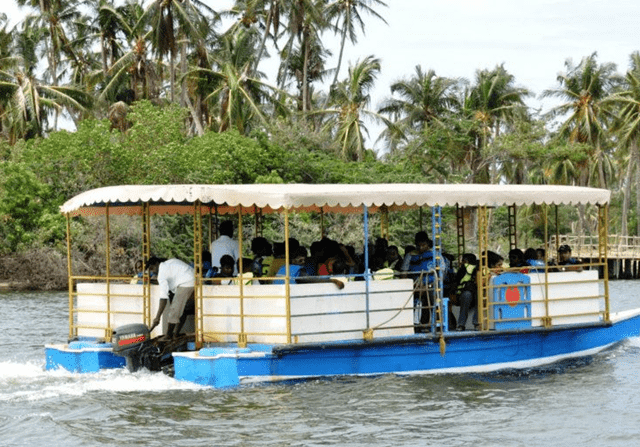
(593,401)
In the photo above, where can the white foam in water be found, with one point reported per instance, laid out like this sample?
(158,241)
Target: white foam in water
(634,341)
(30,382)
(17,371)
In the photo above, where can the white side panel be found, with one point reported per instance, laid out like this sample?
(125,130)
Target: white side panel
(319,312)
(564,285)
(126,306)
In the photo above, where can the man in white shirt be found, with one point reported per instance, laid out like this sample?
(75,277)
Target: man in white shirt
(177,277)
(225,245)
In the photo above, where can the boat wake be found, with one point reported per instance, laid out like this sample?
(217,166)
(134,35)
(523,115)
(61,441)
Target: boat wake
(28,382)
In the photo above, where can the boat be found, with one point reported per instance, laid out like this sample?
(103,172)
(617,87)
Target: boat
(248,332)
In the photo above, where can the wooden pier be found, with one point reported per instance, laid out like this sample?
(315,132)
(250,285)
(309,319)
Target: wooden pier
(623,252)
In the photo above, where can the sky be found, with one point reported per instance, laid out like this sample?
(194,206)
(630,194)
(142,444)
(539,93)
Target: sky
(455,38)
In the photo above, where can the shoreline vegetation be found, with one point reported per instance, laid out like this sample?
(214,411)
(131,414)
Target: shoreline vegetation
(169,93)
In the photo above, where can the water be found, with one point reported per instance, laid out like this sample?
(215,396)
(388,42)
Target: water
(591,401)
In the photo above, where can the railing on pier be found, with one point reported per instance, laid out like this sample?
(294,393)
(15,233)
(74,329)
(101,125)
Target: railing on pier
(619,247)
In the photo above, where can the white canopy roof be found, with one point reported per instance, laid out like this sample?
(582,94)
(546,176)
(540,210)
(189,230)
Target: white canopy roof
(171,199)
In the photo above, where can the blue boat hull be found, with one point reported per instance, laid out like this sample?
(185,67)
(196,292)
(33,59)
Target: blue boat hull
(419,354)
(224,366)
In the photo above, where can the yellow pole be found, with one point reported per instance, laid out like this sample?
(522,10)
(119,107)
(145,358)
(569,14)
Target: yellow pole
(547,319)
(603,243)
(242,338)
(484,273)
(72,330)
(287,272)
(108,330)
(146,254)
(197,269)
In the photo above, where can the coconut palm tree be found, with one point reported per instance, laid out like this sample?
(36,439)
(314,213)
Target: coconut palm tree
(492,103)
(627,129)
(425,99)
(348,107)
(54,16)
(584,87)
(347,15)
(234,93)
(133,70)
(27,101)
(306,22)
(166,18)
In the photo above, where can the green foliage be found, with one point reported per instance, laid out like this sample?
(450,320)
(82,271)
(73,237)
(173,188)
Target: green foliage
(26,214)
(229,158)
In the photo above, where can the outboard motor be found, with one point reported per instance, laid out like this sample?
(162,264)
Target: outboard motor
(134,343)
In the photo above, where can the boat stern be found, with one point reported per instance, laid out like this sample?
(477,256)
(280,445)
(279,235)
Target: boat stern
(82,357)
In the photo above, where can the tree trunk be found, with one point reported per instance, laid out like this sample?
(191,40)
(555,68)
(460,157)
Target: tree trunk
(626,200)
(636,156)
(305,69)
(263,42)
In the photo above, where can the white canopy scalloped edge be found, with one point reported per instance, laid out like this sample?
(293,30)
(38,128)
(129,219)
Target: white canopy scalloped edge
(328,197)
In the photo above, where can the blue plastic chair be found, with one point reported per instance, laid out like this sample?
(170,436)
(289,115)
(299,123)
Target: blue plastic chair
(511,302)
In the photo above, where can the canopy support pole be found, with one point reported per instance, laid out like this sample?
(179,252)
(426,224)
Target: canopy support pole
(460,228)
(513,235)
(197,271)
(108,329)
(146,254)
(242,337)
(287,272)
(367,273)
(603,232)
(72,330)
(484,273)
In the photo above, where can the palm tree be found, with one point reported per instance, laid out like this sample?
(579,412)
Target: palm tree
(133,70)
(584,87)
(54,16)
(27,101)
(348,106)
(425,99)
(492,104)
(307,67)
(347,16)
(306,22)
(189,19)
(233,91)
(627,128)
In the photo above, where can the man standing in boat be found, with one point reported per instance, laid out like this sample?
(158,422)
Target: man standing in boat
(177,277)
(420,264)
(225,245)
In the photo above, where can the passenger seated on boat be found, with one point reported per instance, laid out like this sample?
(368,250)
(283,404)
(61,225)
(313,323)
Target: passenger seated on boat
(531,258)
(137,278)
(207,269)
(174,276)
(495,265)
(393,259)
(516,260)
(298,274)
(378,255)
(340,270)
(331,252)
(279,255)
(565,261)
(466,290)
(227,267)
(263,257)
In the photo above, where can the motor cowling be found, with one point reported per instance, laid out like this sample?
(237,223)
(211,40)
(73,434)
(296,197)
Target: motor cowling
(134,343)
(129,337)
